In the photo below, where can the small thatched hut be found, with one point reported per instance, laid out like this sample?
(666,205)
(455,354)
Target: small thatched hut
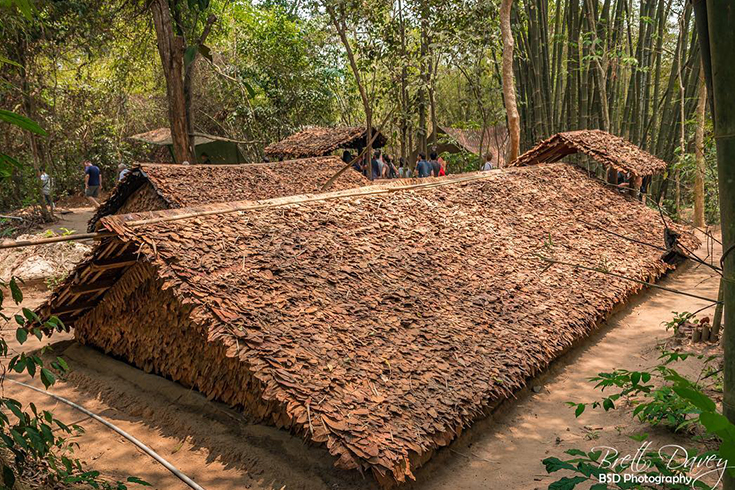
(150,187)
(455,140)
(613,152)
(318,141)
(380,321)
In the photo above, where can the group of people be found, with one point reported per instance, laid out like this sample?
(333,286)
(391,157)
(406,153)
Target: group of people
(383,166)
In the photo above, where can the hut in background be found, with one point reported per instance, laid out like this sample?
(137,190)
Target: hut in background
(151,187)
(318,141)
(208,148)
(455,140)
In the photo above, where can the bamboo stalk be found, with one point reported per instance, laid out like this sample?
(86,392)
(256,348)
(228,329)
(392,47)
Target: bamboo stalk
(56,239)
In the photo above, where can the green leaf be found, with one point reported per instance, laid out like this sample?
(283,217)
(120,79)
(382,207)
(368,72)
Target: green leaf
(696,398)
(190,54)
(30,315)
(555,464)
(608,404)
(135,479)
(9,62)
(21,121)
(567,483)
(714,422)
(575,452)
(21,335)
(249,88)
(639,437)
(579,410)
(47,377)
(635,377)
(599,486)
(63,364)
(8,477)
(15,291)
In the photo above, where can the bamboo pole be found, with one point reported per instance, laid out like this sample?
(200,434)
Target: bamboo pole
(715,20)
(56,239)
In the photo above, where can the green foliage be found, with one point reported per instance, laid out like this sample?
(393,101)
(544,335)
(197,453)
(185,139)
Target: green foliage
(590,466)
(663,404)
(37,441)
(679,320)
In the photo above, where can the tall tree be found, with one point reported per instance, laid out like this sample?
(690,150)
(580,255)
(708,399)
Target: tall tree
(509,91)
(177,58)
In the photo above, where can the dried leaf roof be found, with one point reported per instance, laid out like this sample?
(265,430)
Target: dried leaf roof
(608,149)
(192,185)
(385,322)
(318,140)
(469,139)
(162,137)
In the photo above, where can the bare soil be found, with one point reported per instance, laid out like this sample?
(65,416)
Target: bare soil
(221,449)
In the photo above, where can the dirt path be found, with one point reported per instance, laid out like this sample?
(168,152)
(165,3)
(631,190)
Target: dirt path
(75,219)
(220,449)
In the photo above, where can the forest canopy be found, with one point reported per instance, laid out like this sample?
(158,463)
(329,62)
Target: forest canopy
(90,73)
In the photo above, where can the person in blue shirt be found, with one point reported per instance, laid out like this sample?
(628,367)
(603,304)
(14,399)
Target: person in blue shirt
(423,168)
(92,182)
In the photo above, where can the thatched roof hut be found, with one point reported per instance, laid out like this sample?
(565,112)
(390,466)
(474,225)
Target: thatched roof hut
(150,187)
(609,150)
(318,141)
(455,140)
(213,149)
(380,321)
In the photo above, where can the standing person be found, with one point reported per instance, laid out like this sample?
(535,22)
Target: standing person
(390,169)
(123,171)
(376,167)
(423,168)
(346,156)
(46,187)
(488,163)
(435,165)
(443,165)
(402,168)
(92,182)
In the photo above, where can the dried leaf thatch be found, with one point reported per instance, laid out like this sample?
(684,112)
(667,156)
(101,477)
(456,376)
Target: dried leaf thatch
(318,141)
(150,187)
(608,149)
(380,324)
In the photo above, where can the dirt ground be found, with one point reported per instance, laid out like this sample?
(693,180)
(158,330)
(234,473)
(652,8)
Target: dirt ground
(220,449)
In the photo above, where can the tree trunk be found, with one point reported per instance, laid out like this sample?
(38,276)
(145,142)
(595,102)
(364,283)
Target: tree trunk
(509,91)
(699,149)
(367,107)
(719,37)
(189,84)
(171,50)
(29,108)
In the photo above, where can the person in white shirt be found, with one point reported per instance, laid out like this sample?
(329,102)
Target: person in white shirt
(46,187)
(488,163)
(123,171)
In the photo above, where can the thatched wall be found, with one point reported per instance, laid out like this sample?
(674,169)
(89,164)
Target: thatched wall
(146,325)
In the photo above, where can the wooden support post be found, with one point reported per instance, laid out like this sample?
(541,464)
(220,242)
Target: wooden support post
(717,319)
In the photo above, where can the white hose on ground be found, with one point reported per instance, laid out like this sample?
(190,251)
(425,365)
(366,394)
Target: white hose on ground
(127,436)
